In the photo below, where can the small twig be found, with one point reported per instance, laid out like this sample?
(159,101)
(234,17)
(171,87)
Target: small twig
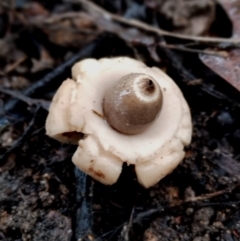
(217,94)
(206,196)
(84,209)
(13,66)
(223,54)
(112,233)
(45,104)
(99,114)
(93,8)
(127,226)
(220,204)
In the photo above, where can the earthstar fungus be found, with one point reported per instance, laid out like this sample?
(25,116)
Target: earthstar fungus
(119,110)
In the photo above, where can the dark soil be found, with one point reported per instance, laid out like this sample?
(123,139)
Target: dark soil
(42,195)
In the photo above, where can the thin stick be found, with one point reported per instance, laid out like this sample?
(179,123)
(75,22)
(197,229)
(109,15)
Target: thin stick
(93,8)
(44,103)
(13,66)
(206,196)
(84,222)
(223,54)
(99,114)
(127,226)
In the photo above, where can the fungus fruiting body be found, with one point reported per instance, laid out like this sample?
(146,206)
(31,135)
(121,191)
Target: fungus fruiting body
(132,103)
(119,110)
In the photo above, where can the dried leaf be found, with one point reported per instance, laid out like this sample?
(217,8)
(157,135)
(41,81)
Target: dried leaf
(72,31)
(44,62)
(228,68)
(186,17)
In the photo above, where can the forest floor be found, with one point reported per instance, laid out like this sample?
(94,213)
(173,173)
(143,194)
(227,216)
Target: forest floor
(43,196)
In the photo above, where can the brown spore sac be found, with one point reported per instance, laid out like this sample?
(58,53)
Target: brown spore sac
(132,103)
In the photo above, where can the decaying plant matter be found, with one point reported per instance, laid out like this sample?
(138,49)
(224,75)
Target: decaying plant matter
(43,195)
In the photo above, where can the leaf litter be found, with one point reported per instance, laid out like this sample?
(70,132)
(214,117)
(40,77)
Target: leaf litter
(42,195)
